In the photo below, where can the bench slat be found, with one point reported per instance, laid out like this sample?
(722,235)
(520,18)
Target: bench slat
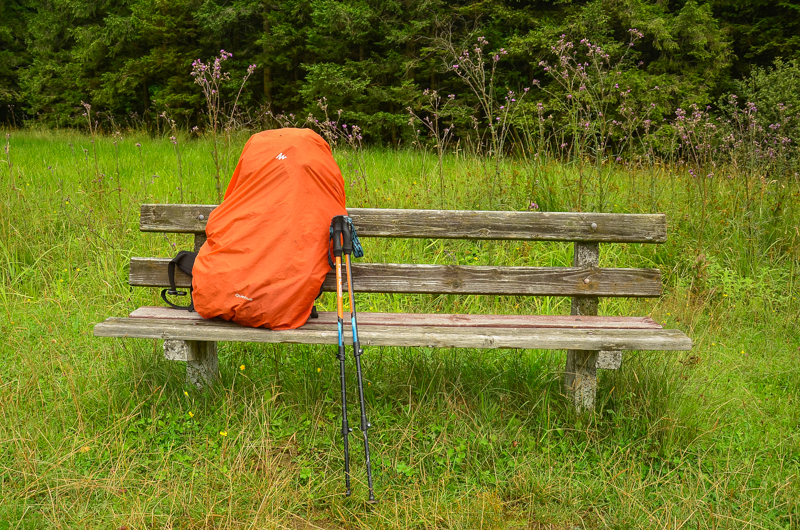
(456,279)
(413,336)
(451,224)
(443,320)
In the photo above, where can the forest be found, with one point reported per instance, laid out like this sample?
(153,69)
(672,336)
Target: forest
(373,59)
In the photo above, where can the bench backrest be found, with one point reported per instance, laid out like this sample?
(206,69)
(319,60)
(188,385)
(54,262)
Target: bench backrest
(584,279)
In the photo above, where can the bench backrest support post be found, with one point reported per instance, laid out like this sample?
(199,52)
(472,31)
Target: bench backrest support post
(199,239)
(580,372)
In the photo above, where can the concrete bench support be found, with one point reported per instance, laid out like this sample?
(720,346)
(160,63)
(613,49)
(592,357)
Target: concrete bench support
(202,367)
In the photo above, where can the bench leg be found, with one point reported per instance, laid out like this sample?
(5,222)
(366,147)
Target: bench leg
(609,360)
(580,372)
(201,360)
(580,378)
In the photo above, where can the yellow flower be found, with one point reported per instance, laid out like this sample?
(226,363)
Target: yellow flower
(223,433)
(668,314)
(319,370)
(78,270)
(241,367)
(713,343)
(724,295)
(185,393)
(191,414)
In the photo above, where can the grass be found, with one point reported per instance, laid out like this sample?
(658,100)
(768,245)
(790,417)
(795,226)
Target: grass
(103,433)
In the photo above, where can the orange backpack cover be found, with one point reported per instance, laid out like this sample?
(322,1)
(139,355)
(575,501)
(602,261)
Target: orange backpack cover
(266,255)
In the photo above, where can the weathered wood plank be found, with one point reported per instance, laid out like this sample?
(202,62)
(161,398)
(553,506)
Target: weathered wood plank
(417,336)
(444,320)
(190,218)
(452,279)
(451,224)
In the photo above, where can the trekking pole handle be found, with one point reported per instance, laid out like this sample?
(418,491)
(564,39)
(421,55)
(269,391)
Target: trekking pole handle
(337,223)
(347,245)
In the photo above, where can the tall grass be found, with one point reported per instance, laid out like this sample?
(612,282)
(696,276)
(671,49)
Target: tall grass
(97,433)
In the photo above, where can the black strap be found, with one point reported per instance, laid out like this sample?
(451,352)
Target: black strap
(314,313)
(185,262)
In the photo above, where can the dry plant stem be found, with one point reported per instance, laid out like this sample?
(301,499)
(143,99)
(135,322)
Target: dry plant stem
(92,126)
(119,182)
(180,167)
(9,164)
(210,77)
(144,176)
(591,96)
(436,109)
(215,157)
(473,71)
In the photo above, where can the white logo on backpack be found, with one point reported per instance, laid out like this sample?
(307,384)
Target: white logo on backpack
(280,156)
(243,296)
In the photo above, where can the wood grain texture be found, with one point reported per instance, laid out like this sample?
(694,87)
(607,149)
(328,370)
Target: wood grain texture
(580,369)
(191,218)
(451,224)
(417,336)
(442,320)
(451,279)
(199,240)
(585,255)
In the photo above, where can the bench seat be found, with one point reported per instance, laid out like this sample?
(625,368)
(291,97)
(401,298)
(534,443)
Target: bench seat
(419,330)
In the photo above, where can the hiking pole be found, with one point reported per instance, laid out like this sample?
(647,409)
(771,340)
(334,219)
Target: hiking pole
(347,247)
(336,224)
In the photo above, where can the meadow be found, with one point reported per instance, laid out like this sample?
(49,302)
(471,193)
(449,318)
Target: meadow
(104,433)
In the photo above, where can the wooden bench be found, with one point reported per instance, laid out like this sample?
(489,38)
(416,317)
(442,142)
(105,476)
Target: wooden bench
(591,341)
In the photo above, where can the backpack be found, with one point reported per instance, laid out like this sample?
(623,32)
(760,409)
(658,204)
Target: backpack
(266,253)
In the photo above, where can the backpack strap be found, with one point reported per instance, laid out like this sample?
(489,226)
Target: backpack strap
(184,260)
(358,250)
